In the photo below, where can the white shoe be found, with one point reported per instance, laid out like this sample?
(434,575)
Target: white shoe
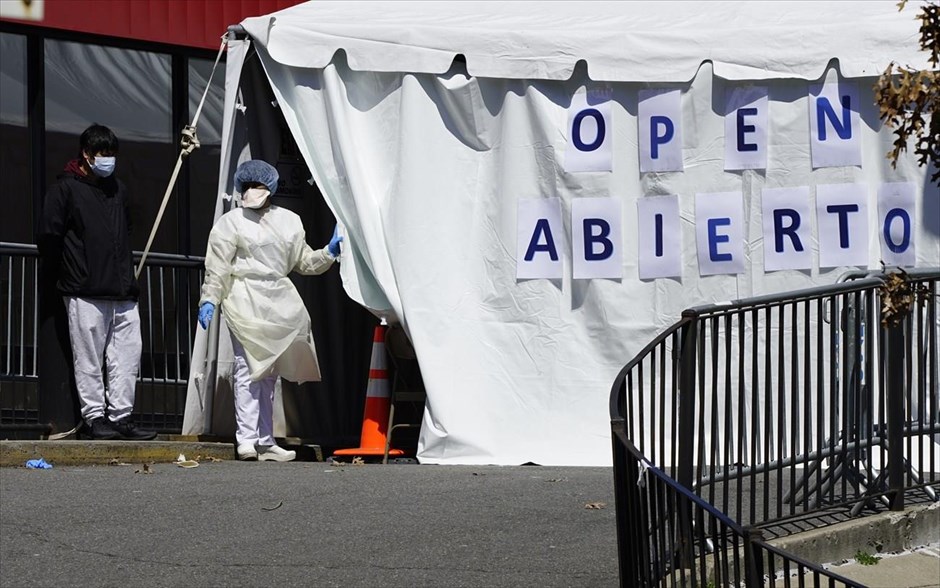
(275,453)
(247,452)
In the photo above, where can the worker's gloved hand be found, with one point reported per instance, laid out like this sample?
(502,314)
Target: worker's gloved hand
(333,247)
(206,310)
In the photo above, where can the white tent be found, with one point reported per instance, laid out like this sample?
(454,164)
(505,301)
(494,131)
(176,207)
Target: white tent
(433,128)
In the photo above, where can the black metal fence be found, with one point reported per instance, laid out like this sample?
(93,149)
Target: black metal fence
(763,413)
(19,334)
(668,536)
(169,294)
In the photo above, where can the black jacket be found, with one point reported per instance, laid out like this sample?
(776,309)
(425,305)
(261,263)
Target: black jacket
(85,231)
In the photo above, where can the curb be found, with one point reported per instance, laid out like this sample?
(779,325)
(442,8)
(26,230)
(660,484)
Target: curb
(884,532)
(164,449)
(17,453)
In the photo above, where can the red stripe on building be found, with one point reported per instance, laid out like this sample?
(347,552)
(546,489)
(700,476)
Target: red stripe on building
(191,23)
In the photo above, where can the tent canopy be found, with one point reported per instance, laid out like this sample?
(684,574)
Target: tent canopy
(619,41)
(431,163)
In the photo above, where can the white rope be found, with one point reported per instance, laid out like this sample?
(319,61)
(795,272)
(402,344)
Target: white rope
(188,143)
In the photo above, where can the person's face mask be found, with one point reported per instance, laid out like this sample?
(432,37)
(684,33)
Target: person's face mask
(103,166)
(255,197)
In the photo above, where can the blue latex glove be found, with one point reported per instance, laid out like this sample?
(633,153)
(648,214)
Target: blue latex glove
(333,247)
(205,314)
(38,464)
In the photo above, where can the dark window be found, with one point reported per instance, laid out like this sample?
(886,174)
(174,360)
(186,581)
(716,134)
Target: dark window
(16,222)
(130,92)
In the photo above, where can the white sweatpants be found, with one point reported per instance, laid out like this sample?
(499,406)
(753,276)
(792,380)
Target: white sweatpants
(105,331)
(254,403)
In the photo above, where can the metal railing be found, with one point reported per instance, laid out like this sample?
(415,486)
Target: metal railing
(19,334)
(669,536)
(775,412)
(169,294)
(169,287)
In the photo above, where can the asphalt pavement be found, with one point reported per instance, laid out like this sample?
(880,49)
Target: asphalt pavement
(228,523)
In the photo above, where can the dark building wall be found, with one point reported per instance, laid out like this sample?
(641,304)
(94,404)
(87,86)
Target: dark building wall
(144,79)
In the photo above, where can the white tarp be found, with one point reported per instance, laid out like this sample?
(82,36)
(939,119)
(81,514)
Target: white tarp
(425,163)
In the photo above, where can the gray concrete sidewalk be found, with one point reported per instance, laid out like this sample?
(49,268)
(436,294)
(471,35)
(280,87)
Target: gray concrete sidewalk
(917,568)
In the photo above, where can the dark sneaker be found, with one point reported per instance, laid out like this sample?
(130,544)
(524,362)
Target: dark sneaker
(101,428)
(129,431)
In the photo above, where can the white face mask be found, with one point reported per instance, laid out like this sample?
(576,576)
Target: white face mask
(255,197)
(103,166)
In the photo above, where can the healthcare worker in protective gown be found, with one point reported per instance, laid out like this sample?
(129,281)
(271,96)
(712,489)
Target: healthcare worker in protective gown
(251,251)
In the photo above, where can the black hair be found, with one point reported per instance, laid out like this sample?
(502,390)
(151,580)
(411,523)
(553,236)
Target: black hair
(98,139)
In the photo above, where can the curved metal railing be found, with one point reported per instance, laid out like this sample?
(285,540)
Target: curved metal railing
(747,415)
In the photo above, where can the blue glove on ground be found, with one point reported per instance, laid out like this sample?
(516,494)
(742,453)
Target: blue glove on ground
(205,314)
(333,247)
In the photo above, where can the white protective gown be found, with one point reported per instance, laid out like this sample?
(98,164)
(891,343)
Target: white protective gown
(249,256)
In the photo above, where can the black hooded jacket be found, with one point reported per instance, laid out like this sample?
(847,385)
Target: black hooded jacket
(85,231)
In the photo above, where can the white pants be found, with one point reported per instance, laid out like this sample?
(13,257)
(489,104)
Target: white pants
(105,331)
(254,403)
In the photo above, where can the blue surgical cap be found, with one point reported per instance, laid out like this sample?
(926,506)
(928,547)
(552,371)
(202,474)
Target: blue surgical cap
(255,170)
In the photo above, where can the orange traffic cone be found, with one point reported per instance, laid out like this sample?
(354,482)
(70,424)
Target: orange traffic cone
(375,420)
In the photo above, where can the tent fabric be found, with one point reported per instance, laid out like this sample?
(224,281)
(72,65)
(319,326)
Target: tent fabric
(424,164)
(209,365)
(619,41)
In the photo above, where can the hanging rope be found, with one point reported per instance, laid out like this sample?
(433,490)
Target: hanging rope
(188,143)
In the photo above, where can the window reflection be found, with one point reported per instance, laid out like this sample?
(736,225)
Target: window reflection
(130,92)
(16,222)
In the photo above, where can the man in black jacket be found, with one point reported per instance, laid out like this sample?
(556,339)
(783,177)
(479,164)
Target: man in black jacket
(85,232)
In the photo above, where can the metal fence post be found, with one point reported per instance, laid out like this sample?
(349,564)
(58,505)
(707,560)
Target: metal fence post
(626,500)
(894,392)
(753,558)
(686,433)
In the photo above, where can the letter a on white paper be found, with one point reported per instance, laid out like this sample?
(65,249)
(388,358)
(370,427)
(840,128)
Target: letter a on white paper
(540,239)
